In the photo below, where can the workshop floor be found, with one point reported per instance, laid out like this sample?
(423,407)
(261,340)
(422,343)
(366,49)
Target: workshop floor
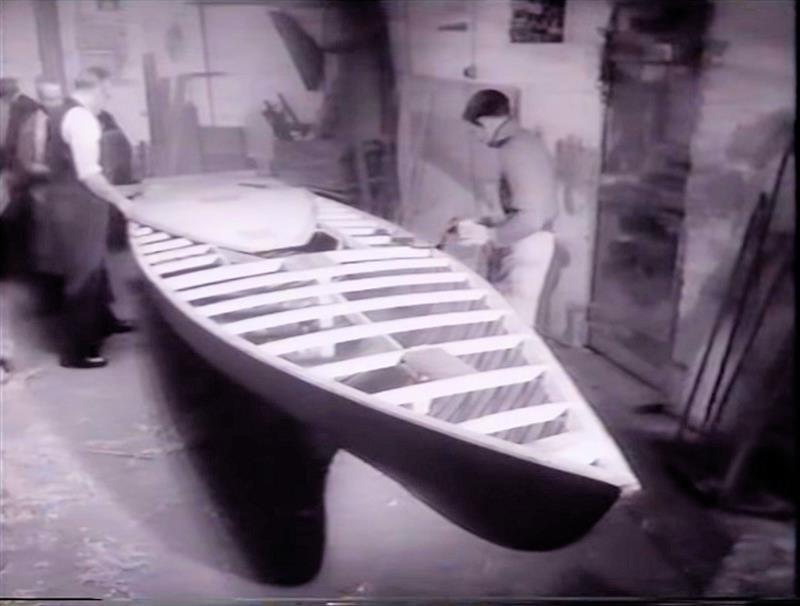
(149,479)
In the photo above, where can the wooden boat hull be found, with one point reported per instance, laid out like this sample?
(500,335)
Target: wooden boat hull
(495,491)
(504,499)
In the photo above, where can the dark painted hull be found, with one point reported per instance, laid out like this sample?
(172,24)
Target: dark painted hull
(502,498)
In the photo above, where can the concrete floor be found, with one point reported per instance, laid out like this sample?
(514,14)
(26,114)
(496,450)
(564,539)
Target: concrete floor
(156,478)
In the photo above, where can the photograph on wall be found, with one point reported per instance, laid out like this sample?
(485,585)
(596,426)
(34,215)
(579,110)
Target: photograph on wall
(537,21)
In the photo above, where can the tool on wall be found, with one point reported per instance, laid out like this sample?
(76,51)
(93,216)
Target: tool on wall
(284,122)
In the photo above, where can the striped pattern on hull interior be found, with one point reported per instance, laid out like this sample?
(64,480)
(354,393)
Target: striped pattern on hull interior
(401,323)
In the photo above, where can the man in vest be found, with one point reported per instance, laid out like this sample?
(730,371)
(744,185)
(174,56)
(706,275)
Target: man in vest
(521,234)
(80,196)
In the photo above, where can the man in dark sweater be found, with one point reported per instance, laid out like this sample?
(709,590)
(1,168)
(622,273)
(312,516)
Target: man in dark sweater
(521,233)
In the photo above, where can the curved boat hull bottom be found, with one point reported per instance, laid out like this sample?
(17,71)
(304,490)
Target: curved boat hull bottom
(506,500)
(277,514)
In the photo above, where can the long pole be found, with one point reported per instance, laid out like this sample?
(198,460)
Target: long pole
(767,206)
(752,277)
(701,366)
(715,410)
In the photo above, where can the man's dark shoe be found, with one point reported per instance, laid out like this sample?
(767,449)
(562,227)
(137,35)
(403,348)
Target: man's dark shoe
(118,327)
(84,362)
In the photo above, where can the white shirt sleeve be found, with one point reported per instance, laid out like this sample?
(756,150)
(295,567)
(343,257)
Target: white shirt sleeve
(81,131)
(40,137)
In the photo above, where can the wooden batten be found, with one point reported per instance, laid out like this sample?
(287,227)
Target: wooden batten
(350,307)
(186,264)
(179,253)
(357,231)
(517,417)
(463,384)
(330,288)
(140,230)
(373,240)
(221,274)
(320,273)
(171,244)
(153,238)
(349,367)
(363,331)
(351,255)
(350,223)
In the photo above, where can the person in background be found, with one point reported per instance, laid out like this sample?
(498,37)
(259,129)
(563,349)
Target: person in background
(116,159)
(80,199)
(15,108)
(116,152)
(520,235)
(32,163)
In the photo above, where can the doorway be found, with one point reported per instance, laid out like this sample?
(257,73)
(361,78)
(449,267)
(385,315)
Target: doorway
(651,72)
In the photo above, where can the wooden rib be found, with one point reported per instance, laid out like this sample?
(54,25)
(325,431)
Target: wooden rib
(342,222)
(331,219)
(180,253)
(373,254)
(463,384)
(331,211)
(373,240)
(158,236)
(345,368)
(575,446)
(516,417)
(363,331)
(324,211)
(342,309)
(322,273)
(220,274)
(331,288)
(352,366)
(184,264)
(357,231)
(140,230)
(149,249)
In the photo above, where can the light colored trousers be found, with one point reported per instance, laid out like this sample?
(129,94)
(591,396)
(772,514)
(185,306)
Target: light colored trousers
(519,273)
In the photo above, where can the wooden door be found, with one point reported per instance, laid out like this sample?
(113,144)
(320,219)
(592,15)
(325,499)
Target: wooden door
(651,66)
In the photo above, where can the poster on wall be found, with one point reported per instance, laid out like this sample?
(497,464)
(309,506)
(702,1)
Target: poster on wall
(537,21)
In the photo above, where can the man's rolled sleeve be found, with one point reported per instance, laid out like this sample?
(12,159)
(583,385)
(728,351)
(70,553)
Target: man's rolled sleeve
(82,133)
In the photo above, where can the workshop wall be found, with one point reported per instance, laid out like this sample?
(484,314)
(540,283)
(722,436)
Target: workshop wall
(240,40)
(119,39)
(19,50)
(436,41)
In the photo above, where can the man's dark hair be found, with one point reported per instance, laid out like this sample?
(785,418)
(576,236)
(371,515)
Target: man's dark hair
(486,102)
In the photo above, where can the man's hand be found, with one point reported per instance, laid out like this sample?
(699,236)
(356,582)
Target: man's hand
(100,187)
(472,233)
